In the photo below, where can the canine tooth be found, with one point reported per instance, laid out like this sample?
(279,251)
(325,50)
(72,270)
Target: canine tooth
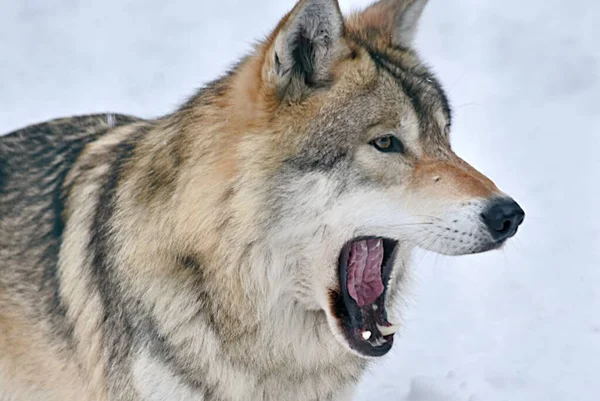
(366,335)
(388,330)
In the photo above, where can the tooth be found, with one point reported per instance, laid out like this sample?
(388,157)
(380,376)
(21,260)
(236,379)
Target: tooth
(388,330)
(380,341)
(366,335)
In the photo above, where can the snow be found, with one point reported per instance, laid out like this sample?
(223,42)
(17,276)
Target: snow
(522,324)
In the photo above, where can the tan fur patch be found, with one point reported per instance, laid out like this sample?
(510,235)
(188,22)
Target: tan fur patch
(30,364)
(452,179)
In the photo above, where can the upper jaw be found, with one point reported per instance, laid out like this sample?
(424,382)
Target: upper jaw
(463,244)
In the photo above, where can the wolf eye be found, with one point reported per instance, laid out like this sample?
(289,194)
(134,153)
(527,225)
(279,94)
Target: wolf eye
(388,144)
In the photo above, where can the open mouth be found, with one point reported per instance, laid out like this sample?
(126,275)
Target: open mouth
(365,265)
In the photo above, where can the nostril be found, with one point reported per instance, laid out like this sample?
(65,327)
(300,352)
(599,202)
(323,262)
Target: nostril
(506,226)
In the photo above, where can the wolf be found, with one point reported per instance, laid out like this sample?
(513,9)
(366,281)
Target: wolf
(249,246)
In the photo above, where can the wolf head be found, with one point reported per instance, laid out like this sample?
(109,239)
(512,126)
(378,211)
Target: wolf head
(344,162)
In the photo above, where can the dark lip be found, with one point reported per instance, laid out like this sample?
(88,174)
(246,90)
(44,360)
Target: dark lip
(350,315)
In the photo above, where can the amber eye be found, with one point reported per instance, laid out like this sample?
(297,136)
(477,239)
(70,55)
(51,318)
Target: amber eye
(388,144)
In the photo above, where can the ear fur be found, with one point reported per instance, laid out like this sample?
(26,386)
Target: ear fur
(397,18)
(304,47)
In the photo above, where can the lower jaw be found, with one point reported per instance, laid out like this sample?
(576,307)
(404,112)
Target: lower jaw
(370,338)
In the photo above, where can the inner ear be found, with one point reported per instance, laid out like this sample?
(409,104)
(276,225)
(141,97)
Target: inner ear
(304,47)
(303,55)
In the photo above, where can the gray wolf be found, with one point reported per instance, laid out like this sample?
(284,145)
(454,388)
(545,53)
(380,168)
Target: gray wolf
(251,244)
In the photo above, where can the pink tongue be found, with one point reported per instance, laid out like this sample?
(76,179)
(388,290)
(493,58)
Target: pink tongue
(364,271)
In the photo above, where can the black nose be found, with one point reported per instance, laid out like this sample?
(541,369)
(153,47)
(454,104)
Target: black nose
(503,217)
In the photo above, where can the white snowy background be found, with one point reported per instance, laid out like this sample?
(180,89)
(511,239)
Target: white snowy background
(522,324)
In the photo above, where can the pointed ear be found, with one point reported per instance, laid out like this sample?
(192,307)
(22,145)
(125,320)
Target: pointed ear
(304,47)
(399,18)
